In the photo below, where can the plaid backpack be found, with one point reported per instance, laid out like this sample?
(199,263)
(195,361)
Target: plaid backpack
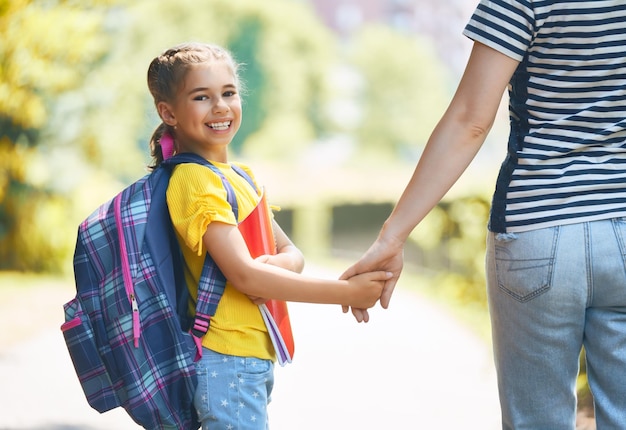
(127,329)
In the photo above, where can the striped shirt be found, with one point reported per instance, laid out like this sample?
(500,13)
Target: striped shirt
(566,160)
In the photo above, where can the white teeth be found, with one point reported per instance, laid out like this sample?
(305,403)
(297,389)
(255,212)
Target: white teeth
(220,125)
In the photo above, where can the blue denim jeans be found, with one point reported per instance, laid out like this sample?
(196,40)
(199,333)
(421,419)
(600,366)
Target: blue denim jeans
(551,292)
(233,392)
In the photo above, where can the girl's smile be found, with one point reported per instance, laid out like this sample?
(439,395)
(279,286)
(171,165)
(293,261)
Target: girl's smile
(220,126)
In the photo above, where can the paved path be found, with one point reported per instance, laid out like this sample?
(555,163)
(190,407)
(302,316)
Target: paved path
(410,367)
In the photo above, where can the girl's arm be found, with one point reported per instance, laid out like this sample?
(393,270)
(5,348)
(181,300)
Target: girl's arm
(255,278)
(288,256)
(451,147)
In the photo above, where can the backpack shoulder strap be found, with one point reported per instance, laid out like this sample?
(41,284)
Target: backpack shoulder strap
(188,157)
(212,280)
(244,175)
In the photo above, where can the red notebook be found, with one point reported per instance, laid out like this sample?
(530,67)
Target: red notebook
(257,231)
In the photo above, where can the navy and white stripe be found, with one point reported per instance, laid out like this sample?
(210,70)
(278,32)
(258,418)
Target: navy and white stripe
(566,160)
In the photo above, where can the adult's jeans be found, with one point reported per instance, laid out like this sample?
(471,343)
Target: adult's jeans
(552,291)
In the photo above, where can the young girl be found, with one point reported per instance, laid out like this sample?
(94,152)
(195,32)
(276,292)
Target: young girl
(196,92)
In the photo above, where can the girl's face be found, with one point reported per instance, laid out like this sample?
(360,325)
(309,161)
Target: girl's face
(206,111)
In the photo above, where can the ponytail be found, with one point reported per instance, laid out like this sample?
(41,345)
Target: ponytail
(159,152)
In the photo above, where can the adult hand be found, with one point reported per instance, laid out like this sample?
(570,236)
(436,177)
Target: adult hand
(385,254)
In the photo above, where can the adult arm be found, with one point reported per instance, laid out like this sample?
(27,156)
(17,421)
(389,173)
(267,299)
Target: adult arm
(450,149)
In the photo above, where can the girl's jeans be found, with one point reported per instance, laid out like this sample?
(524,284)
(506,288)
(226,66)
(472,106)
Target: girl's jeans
(233,392)
(551,292)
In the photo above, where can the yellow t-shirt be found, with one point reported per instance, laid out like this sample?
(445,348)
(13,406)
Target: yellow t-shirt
(196,197)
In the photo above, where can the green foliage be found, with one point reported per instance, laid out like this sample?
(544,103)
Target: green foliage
(452,241)
(284,49)
(404,93)
(37,64)
(36,60)
(245,45)
(76,115)
(298,54)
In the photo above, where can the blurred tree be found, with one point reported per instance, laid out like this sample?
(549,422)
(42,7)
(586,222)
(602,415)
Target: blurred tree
(284,50)
(37,63)
(404,92)
(451,239)
(76,116)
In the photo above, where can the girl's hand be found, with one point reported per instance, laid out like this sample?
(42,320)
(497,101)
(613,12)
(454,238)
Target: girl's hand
(285,260)
(257,300)
(265,259)
(367,288)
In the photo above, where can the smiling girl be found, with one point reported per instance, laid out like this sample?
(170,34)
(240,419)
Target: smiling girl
(196,93)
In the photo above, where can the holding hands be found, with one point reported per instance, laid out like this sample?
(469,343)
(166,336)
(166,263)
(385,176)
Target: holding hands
(367,288)
(386,253)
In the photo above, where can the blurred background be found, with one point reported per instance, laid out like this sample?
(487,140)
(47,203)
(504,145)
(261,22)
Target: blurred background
(340,99)
(341,96)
